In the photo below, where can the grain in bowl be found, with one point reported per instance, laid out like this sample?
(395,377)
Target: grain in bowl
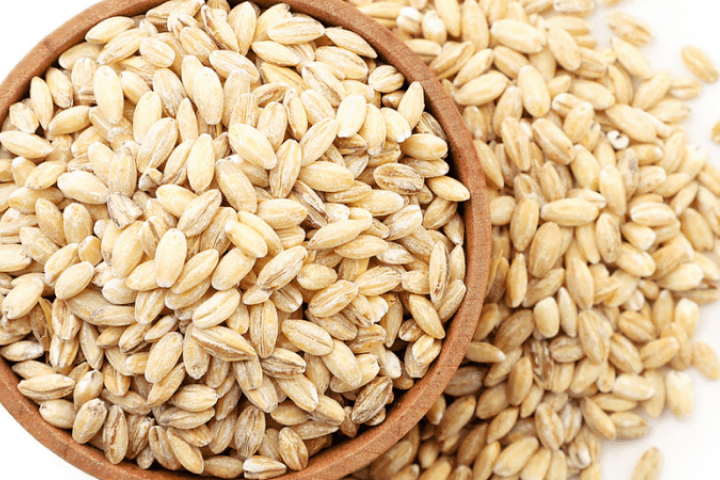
(207,223)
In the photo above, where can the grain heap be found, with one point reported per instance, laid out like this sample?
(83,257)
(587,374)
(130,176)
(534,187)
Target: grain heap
(605,240)
(227,234)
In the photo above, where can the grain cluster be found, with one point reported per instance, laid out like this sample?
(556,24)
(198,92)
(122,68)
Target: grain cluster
(606,223)
(227,234)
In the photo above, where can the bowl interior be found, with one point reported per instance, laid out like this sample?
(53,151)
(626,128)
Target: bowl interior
(408,408)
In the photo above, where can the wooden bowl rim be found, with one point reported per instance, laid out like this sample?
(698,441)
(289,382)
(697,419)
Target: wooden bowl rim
(351,454)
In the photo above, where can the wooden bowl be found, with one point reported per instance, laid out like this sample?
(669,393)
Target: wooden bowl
(408,408)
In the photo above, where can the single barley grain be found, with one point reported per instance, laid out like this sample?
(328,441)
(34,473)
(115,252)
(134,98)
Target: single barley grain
(699,64)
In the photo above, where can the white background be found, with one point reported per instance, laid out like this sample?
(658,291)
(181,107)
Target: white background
(690,447)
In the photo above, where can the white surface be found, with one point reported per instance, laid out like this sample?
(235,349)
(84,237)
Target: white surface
(690,447)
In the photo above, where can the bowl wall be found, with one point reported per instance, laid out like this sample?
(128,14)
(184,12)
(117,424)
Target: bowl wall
(409,408)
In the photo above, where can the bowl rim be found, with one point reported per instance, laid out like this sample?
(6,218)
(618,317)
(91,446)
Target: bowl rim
(351,454)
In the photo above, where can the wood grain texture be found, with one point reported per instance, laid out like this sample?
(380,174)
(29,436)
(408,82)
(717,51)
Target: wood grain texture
(407,409)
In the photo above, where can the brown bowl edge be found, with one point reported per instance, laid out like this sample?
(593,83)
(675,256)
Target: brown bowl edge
(352,454)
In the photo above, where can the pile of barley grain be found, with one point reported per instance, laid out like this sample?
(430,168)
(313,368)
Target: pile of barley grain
(226,234)
(605,240)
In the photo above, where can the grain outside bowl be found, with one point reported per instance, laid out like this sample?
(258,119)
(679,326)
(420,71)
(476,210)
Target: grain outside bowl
(347,457)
